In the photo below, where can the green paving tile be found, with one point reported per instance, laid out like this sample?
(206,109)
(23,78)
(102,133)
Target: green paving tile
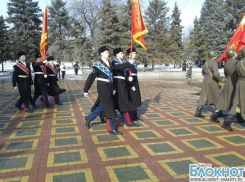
(193,120)
(60,115)
(212,129)
(131,174)
(9,112)
(153,115)
(145,134)
(13,163)
(62,109)
(20,145)
(30,117)
(187,107)
(4,125)
(5,118)
(67,157)
(77,177)
(166,108)
(65,130)
(202,143)
(177,114)
(107,138)
(240,126)
(30,124)
(180,167)
(64,121)
(117,152)
(181,131)
(235,139)
(230,160)
(26,133)
(65,141)
(159,148)
(165,123)
(98,127)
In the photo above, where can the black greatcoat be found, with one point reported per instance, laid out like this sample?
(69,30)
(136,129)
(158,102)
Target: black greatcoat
(24,84)
(134,96)
(121,97)
(54,88)
(39,81)
(105,89)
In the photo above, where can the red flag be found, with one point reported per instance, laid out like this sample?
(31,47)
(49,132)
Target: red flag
(138,26)
(237,41)
(44,36)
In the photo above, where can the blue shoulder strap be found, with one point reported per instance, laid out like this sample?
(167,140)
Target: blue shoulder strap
(134,63)
(104,70)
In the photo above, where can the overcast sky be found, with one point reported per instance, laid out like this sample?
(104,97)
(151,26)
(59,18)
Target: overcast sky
(189,9)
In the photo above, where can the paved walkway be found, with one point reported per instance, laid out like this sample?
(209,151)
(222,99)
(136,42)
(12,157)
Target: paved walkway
(54,146)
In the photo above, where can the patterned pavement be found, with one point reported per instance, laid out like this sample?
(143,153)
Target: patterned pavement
(53,145)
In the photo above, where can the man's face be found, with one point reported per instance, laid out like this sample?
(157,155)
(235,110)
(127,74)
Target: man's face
(39,59)
(22,58)
(120,55)
(133,55)
(105,55)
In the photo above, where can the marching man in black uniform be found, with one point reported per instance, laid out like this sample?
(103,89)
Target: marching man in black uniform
(102,70)
(133,86)
(52,78)
(39,81)
(22,81)
(121,97)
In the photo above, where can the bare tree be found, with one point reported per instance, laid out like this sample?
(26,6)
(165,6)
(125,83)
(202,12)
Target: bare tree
(88,12)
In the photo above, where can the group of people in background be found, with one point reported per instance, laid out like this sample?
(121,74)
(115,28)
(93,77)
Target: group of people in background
(45,82)
(231,97)
(117,87)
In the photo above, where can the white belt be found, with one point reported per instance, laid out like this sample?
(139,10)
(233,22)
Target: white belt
(104,80)
(51,75)
(23,76)
(134,74)
(119,77)
(38,73)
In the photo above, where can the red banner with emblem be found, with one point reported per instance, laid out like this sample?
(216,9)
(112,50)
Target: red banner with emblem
(237,41)
(44,36)
(138,26)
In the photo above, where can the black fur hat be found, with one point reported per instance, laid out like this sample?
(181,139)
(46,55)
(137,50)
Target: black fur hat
(117,50)
(133,50)
(102,49)
(20,53)
(50,58)
(38,56)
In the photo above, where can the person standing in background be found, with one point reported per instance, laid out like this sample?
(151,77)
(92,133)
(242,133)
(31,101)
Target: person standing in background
(76,67)
(63,71)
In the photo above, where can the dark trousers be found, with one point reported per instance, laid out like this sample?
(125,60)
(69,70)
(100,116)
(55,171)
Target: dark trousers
(76,71)
(63,74)
(96,112)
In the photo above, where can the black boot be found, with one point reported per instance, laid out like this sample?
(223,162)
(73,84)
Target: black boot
(102,119)
(220,114)
(227,122)
(239,118)
(133,125)
(199,112)
(115,132)
(87,123)
(214,117)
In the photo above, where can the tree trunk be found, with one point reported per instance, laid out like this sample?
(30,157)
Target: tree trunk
(153,65)
(2,66)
